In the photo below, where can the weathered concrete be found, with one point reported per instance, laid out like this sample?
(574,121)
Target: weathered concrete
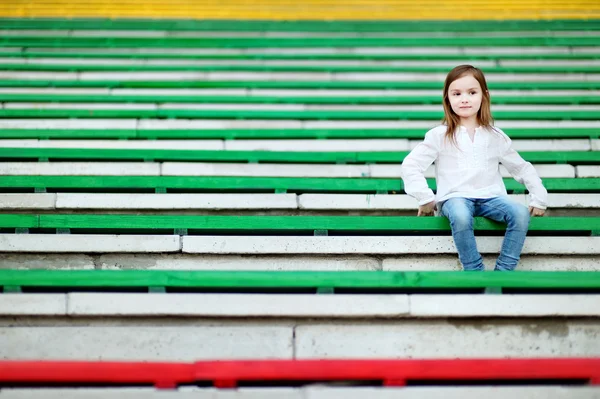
(449,339)
(318,145)
(49,243)
(27,201)
(118,144)
(292,170)
(147,341)
(391,171)
(588,171)
(504,305)
(377,245)
(46,261)
(541,144)
(80,168)
(107,124)
(527,262)
(175,201)
(35,304)
(238,305)
(234,262)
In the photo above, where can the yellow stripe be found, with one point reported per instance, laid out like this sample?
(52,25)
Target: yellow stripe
(306,9)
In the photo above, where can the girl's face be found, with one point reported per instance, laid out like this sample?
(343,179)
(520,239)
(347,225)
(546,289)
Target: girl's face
(465,96)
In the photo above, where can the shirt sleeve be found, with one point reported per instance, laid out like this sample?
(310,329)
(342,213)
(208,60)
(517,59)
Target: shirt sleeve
(414,166)
(524,173)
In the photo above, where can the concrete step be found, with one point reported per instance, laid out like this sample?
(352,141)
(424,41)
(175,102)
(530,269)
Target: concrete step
(339,306)
(237,169)
(278,107)
(204,124)
(325,262)
(309,202)
(287,76)
(182,339)
(259,245)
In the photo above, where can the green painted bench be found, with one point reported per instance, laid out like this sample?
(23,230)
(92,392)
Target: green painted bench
(225,99)
(266,84)
(297,225)
(400,133)
(87,154)
(69,67)
(274,115)
(264,281)
(109,53)
(218,184)
(53,40)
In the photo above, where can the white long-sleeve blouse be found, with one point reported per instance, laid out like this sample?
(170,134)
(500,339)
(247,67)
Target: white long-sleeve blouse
(469,169)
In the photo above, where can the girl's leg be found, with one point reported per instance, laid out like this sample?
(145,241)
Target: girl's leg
(516,217)
(459,212)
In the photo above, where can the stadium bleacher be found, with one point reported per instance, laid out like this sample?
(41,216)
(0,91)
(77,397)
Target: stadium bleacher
(225,195)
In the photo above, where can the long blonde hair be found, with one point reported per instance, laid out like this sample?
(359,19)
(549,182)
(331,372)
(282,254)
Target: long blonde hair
(484,115)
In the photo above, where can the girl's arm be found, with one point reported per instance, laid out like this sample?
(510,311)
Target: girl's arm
(525,173)
(414,166)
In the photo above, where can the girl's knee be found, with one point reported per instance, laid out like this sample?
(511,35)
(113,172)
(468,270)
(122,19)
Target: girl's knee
(519,217)
(458,213)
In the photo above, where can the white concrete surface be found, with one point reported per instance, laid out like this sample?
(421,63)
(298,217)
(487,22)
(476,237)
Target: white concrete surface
(358,145)
(203,124)
(588,171)
(61,261)
(239,305)
(174,201)
(68,123)
(533,262)
(152,341)
(448,339)
(58,243)
(405,202)
(430,124)
(356,202)
(439,306)
(216,262)
(80,105)
(27,201)
(265,170)
(34,304)
(541,144)
(313,392)
(543,170)
(595,144)
(80,168)
(118,144)
(378,245)
(363,202)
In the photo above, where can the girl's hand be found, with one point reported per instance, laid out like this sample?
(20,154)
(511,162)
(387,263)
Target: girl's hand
(533,211)
(427,209)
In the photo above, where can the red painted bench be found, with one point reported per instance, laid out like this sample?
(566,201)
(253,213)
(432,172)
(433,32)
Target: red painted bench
(228,374)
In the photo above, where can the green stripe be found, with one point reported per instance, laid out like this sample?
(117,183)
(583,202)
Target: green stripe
(295,26)
(232,99)
(274,115)
(278,42)
(298,224)
(257,184)
(515,133)
(295,279)
(33,54)
(575,157)
(541,69)
(257,84)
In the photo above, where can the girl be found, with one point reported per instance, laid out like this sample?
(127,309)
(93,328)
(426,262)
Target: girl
(467,150)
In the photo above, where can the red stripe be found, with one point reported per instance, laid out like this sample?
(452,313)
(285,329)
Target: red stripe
(228,373)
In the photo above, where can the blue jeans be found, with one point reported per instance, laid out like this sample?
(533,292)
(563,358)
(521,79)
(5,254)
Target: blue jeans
(460,213)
